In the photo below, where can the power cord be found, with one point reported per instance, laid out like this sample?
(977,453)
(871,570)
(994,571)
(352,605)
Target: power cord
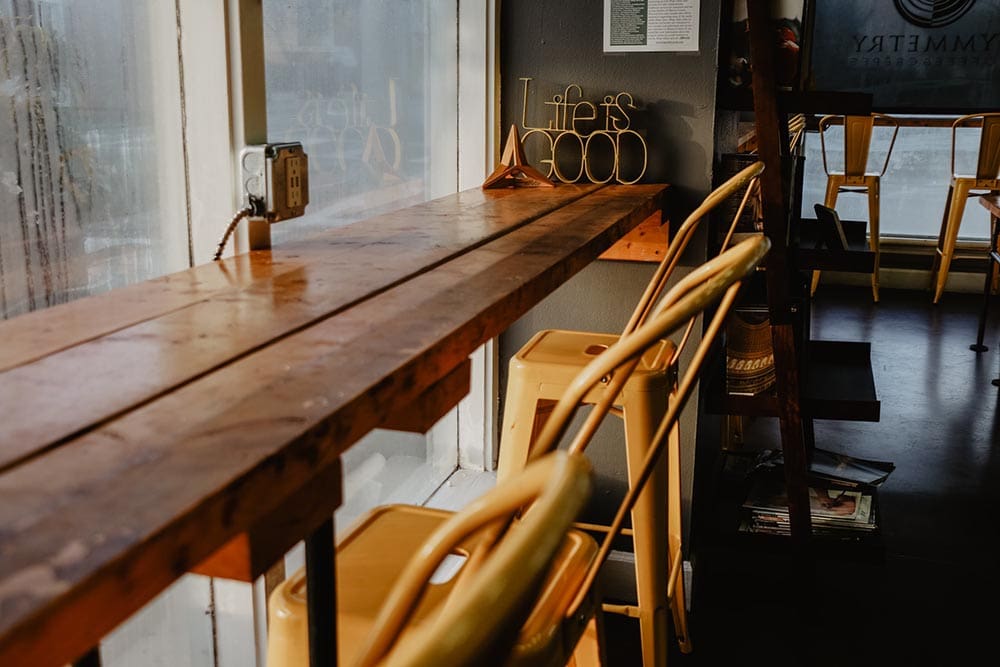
(244,212)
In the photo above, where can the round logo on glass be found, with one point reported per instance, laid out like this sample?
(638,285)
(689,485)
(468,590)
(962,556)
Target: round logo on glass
(933,13)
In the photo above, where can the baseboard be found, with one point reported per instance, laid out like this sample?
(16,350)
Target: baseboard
(908,279)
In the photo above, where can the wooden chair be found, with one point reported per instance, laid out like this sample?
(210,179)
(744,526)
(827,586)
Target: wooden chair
(544,367)
(986,180)
(470,619)
(855,177)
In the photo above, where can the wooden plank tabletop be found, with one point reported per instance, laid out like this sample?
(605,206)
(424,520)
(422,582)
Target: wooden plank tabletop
(124,350)
(229,394)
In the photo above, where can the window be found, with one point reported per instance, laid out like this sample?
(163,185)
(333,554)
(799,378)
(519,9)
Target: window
(90,177)
(116,157)
(915,184)
(370,89)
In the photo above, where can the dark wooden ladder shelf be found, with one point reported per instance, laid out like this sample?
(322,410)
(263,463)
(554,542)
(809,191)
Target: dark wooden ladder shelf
(837,383)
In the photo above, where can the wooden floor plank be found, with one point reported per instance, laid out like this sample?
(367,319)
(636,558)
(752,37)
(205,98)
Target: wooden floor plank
(97,527)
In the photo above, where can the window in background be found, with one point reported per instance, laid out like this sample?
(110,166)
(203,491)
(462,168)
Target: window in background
(915,185)
(92,197)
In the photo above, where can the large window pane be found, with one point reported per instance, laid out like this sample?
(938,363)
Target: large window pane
(369,88)
(88,200)
(915,184)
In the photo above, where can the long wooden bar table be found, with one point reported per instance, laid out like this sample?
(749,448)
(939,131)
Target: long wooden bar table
(150,429)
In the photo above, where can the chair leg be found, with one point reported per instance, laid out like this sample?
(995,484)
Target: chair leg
(959,192)
(518,425)
(649,517)
(832,190)
(873,211)
(936,262)
(678,601)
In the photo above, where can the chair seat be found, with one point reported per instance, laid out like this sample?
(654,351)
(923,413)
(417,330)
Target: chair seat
(556,356)
(369,560)
(977,183)
(863,181)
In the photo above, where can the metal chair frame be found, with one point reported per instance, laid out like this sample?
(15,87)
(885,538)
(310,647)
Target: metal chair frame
(855,177)
(501,578)
(986,180)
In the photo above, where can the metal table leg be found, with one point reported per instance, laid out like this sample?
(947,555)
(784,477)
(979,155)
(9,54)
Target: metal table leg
(321,596)
(91,658)
(993,258)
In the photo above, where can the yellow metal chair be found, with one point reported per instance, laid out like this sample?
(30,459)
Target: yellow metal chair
(476,617)
(539,374)
(602,382)
(856,177)
(986,180)
(389,613)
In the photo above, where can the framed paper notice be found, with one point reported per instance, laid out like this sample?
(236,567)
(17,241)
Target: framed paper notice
(651,25)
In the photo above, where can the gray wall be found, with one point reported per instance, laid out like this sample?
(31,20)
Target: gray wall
(559,43)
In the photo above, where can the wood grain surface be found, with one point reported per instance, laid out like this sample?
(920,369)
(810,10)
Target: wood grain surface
(116,355)
(95,525)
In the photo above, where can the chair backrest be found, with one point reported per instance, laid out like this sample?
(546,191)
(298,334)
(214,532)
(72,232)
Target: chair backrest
(857,140)
(745,180)
(716,281)
(988,163)
(485,611)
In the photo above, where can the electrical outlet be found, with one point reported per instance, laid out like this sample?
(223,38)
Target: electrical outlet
(276,180)
(293,182)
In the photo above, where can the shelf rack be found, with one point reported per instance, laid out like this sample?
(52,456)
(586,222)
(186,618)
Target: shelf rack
(814,379)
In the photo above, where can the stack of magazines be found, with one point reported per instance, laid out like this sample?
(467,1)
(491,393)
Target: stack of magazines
(836,512)
(841,494)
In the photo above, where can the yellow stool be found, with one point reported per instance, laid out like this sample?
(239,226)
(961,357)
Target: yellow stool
(544,367)
(985,181)
(538,376)
(855,177)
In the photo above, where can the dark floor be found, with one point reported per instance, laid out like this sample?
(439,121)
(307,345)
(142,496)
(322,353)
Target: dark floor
(925,592)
